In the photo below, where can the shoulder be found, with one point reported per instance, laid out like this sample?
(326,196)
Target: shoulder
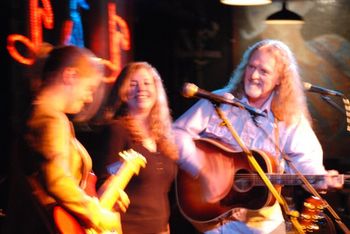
(47,119)
(300,121)
(300,126)
(48,132)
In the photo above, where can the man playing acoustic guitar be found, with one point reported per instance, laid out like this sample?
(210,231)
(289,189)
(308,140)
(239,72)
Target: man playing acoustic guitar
(266,79)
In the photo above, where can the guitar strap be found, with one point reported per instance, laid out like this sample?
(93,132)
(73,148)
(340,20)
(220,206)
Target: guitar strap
(284,159)
(276,135)
(85,157)
(277,147)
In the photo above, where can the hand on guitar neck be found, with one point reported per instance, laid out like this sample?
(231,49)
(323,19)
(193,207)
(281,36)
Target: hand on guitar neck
(122,200)
(110,195)
(332,180)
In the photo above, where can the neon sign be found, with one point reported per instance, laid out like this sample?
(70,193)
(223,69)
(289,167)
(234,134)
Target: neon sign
(42,17)
(77,35)
(119,38)
(37,17)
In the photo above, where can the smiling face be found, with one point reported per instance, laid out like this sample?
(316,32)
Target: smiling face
(261,76)
(142,92)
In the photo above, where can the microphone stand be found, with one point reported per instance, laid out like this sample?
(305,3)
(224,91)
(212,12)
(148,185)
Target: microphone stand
(336,106)
(307,184)
(292,214)
(332,103)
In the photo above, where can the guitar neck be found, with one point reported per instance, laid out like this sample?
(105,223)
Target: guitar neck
(282,179)
(115,183)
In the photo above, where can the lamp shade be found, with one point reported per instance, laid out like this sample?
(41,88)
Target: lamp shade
(284,16)
(245,2)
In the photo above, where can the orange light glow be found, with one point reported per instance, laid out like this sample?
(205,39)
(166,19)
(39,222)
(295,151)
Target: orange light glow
(119,38)
(11,47)
(118,35)
(38,16)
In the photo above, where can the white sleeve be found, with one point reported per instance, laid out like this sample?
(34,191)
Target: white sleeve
(188,127)
(304,149)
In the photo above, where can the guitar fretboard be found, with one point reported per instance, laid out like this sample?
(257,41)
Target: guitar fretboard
(280,179)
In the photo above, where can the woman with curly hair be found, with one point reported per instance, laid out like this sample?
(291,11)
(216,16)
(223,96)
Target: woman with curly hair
(141,121)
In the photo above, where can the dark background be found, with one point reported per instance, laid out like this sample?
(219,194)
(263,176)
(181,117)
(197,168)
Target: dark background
(198,41)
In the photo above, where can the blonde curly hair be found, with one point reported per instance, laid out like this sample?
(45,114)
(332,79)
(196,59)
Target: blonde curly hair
(160,120)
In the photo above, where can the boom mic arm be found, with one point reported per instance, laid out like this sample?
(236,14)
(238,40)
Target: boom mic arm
(317,89)
(191,90)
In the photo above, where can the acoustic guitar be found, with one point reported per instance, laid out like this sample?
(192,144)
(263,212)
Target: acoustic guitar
(66,223)
(245,189)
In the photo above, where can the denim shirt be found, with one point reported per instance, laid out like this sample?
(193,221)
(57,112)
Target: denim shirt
(298,141)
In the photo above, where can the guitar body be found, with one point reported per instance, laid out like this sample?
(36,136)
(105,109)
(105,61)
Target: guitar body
(239,193)
(65,222)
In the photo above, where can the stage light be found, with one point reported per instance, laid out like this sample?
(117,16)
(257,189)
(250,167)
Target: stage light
(284,16)
(245,2)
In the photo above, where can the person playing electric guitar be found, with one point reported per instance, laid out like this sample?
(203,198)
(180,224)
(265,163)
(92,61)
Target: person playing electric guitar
(56,165)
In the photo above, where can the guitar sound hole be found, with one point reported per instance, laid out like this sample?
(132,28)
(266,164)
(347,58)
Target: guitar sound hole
(243,181)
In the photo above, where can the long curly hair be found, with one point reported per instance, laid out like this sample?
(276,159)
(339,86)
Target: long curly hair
(289,101)
(160,120)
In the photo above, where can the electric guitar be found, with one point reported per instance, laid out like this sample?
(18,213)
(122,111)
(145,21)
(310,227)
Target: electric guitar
(132,162)
(243,186)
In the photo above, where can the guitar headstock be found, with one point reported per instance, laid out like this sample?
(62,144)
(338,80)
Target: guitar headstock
(134,159)
(312,213)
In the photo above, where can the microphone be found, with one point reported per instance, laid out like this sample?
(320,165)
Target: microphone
(317,89)
(190,90)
